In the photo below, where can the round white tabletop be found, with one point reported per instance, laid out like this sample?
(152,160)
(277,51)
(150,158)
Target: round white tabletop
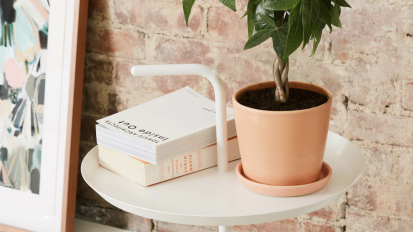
(218,199)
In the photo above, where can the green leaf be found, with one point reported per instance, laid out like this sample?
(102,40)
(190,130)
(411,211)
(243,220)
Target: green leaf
(335,15)
(258,38)
(325,15)
(343,3)
(246,13)
(339,10)
(311,11)
(252,4)
(280,4)
(251,17)
(327,3)
(229,3)
(317,32)
(259,23)
(279,41)
(295,32)
(187,5)
(268,20)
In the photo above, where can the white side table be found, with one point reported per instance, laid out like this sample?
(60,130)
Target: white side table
(214,196)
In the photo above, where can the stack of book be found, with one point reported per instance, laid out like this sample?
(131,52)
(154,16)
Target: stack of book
(167,137)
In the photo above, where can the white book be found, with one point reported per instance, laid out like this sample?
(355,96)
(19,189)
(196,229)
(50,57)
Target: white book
(173,124)
(147,174)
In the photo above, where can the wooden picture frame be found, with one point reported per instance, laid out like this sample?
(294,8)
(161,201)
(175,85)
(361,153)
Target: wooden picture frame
(52,208)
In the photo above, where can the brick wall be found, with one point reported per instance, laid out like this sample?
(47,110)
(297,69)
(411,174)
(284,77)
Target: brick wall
(368,66)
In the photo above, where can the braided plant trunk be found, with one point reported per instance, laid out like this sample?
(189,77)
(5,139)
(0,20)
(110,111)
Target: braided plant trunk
(280,71)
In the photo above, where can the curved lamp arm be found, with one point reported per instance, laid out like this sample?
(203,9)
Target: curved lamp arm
(220,98)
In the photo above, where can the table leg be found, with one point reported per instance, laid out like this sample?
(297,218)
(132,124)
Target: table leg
(224,229)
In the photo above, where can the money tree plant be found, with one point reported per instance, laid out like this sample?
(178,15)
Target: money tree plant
(289,23)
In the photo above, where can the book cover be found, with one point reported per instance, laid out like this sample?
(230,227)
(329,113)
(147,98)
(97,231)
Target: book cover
(167,118)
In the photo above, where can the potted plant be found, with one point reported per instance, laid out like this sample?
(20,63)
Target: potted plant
(282,126)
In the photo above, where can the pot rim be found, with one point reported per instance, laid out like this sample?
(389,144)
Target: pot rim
(235,101)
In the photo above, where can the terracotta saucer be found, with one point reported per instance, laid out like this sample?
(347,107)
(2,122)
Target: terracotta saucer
(285,191)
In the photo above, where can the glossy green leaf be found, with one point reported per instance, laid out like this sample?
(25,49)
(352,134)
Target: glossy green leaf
(295,31)
(280,4)
(325,15)
(317,32)
(187,5)
(258,38)
(251,17)
(279,41)
(252,4)
(259,23)
(311,11)
(268,20)
(343,3)
(229,3)
(327,3)
(335,15)
(339,10)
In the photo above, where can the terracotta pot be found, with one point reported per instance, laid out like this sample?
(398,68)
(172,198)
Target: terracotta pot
(282,148)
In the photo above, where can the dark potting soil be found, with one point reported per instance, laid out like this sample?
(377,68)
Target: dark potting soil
(299,99)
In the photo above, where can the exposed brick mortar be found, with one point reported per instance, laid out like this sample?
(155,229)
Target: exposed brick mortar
(103,25)
(393,3)
(149,36)
(205,18)
(378,214)
(360,143)
(354,106)
(405,112)
(299,221)
(328,58)
(111,57)
(389,147)
(153,225)
(207,228)
(342,207)
(255,227)
(378,181)
(106,57)
(319,221)
(337,223)
(111,216)
(86,201)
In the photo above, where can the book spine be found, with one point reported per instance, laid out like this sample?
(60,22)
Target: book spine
(188,163)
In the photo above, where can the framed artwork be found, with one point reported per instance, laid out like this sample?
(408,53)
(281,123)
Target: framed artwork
(42,47)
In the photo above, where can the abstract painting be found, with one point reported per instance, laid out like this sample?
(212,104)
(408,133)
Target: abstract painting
(23,55)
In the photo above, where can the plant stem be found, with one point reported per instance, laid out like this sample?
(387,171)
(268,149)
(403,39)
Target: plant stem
(280,72)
